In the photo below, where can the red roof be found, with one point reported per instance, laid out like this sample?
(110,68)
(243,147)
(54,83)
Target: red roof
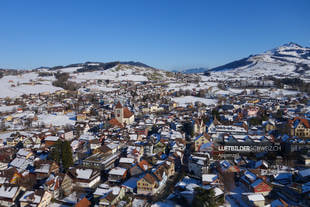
(305,122)
(114,122)
(149,178)
(143,163)
(262,187)
(83,203)
(118,105)
(127,113)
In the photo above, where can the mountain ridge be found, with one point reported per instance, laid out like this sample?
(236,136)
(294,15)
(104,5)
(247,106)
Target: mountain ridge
(287,59)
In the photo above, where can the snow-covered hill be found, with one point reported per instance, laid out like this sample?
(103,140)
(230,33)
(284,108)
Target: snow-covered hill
(287,60)
(41,80)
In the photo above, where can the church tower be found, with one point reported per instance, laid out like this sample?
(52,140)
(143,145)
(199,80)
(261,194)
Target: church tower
(119,112)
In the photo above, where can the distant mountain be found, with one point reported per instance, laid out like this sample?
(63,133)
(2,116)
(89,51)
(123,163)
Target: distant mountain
(287,60)
(194,70)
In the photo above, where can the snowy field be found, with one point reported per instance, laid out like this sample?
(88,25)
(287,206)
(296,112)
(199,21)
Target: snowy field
(131,74)
(55,120)
(8,108)
(183,101)
(14,86)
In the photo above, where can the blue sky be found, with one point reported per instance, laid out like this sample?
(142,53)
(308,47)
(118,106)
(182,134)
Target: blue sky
(167,34)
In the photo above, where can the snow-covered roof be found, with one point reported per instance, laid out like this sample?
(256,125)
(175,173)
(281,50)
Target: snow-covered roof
(26,197)
(51,138)
(8,192)
(209,177)
(126,160)
(84,173)
(117,171)
(256,197)
(21,163)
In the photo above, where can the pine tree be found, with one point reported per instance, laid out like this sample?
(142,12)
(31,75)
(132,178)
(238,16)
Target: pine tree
(61,153)
(205,198)
(67,159)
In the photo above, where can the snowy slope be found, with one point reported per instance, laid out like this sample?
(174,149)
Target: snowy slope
(14,86)
(31,83)
(121,72)
(287,60)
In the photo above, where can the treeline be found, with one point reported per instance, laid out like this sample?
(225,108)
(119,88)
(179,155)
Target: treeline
(99,66)
(201,93)
(61,153)
(62,81)
(44,74)
(295,83)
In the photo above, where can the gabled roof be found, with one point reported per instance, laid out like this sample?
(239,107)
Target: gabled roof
(149,178)
(83,203)
(118,105)
(114,123)
(144,165)
(127,113)
(294,123)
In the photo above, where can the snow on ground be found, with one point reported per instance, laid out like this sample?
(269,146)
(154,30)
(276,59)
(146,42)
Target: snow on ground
(111,74)
(101,88)
(184,100)
(275,92)
(191,86)
(55,120)
(8,108)
(14,86)
(68,70)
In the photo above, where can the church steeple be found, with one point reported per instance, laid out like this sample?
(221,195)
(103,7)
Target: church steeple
(119,112)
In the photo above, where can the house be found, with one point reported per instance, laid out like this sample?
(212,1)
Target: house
(201,140)
(117,174)
(196,165)
(139,168)
(125,162)
(8,195)
(170,166)
(112,197)
(50,140)
(11,141)
(85,178)
(259,186)
(66,185)
(147,185)
(270,125)
(137,202)
(161,175)
(300,127)
(37,198)
(24,153)
(255,200)
(101,161)
(44,168)
(46,199)
(210,179)
(52,184)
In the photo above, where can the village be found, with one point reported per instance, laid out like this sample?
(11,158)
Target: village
(156,143)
